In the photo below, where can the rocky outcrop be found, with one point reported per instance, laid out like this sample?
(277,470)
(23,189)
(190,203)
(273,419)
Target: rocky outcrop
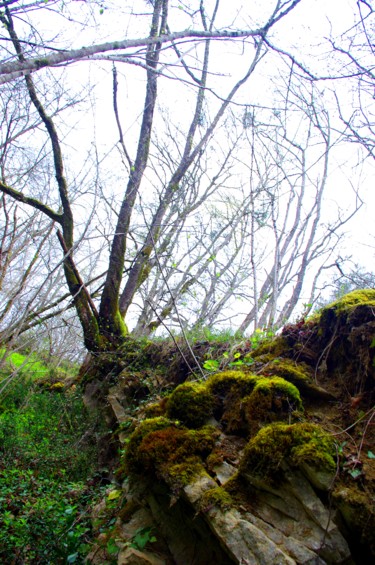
(270,466)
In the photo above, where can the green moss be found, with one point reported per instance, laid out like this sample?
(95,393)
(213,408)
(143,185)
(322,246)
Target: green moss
(229,388)
(298,374)
(356,508)
(355,298)
(275,347)
(181,474)
(155,409)
(40,63)
(191,404)
(277,387)
(296,444)
(144,428)
(216,497)
(272,399)
(175,454)
(265,358)
(359,303)
(226,382)
(242,399)
(174,445)
(57,387)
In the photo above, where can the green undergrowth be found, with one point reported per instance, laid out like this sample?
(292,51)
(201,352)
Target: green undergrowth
(224,336)
(47,475)
(32,366)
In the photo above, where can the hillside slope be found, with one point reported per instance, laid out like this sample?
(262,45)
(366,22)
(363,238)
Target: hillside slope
(269,461)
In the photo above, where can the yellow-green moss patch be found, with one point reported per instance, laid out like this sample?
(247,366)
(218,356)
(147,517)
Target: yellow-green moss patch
(352,299)
(272,399)
(242,399)
(216,497)
(357,306)
(226,382)
(296,373)
(181,474)
(274,347)
(296,444)
(191,404)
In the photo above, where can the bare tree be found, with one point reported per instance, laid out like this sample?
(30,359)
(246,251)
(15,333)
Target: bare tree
(354,51)
(289,165)
(103,325)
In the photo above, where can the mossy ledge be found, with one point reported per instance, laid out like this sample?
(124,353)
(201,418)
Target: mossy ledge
(169,451)
(295,444)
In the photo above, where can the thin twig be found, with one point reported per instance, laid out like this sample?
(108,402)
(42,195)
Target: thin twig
(171,334)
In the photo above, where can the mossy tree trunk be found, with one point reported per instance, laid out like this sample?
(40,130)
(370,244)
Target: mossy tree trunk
(111,318)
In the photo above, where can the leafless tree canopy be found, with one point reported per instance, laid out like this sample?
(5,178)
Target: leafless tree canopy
(173,173)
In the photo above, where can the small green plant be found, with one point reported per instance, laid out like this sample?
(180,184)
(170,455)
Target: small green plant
(211,365)
(142,537)
(234,360)
(260,336)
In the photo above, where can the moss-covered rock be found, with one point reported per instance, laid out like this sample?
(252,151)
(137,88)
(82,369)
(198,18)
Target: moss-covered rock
(296,373)
(346,303)
(267,466)
(271,349)
(229,388)
(357,511)
(244,399)
(272,399)
(159,448)
(143,429)
(223,384)
(216,497)
(191,404)
(299,374)
(296,444)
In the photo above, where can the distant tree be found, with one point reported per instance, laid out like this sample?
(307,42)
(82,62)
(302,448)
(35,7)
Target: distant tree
(354,52)
(289,165)
(347,280)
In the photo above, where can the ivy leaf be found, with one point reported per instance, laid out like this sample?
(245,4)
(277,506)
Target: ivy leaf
(114,494)
(355,473)
(370,455)
(142,537)
(112,548)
